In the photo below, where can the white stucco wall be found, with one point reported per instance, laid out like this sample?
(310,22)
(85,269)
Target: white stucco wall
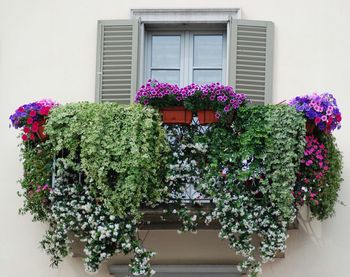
(47,50)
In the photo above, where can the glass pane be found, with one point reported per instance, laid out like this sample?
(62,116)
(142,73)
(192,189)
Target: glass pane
(207,50)
(202,76)
(166,51)
(169,76)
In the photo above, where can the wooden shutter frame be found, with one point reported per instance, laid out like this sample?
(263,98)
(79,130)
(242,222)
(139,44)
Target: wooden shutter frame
(99,56)
(233,33)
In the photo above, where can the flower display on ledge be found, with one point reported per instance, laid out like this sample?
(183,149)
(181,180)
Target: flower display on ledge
(256,173)
(31,116)
(218,97)
(321,109)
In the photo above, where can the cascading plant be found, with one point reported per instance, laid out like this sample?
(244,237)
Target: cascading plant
(103,163)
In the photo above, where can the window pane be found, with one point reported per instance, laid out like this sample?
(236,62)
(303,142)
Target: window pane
(202,76)
(207,50)
(166,51)
(169,76)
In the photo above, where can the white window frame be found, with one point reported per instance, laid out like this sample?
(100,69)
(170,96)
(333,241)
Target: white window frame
(223,68)
(187,48)
(148,53)
(166,16)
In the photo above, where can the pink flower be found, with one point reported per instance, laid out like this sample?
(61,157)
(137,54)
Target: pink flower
(309,162)
(32,113)
(25,137)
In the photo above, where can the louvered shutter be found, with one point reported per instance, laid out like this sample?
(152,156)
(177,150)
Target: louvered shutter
(251,59)
(117,52)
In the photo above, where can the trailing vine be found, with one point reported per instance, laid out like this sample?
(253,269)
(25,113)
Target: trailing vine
(122,148)
(251,176)
(330,183)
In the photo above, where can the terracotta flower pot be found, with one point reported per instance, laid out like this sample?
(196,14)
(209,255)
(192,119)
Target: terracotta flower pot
(207,117)
(41,130)
(176,115)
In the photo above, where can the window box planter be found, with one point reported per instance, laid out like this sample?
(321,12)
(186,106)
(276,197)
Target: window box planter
(207,117)
(176,115)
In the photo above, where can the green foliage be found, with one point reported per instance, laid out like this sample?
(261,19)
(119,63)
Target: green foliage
(37,167)
(328,196)
(250,176)
(121,148)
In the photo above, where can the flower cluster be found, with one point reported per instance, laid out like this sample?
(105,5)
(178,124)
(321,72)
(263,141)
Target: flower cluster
(220,98)
(313,167)
(321,109)
(194,97)
(31,116)
(74,210)
(160,95)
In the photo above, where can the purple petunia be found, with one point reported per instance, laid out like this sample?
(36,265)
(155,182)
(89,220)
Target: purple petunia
(322,109)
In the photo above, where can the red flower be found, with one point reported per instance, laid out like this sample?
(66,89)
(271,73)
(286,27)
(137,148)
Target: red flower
(44,110)
(32,137)
(32,113)
(21,109)
(26,129)
(317,120)
(24,137)
(35,127)
(338,117)
(29,120)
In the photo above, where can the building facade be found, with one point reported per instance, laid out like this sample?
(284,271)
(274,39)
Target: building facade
(48,50)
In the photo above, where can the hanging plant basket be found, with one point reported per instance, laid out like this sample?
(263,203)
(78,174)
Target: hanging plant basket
(310,127)
(207,117)
(176,115)
(41,130)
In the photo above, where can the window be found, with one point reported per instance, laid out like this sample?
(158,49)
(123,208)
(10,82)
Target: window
(184,57)
(184,46)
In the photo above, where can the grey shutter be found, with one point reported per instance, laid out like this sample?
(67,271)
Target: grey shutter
(116,65)
(251,59)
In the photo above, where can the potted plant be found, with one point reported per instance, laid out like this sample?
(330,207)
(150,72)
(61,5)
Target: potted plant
(320,110)
(32,117)
(168,98)
(214,101)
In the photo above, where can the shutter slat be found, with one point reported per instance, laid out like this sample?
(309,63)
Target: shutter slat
(251,59)
(116,61)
